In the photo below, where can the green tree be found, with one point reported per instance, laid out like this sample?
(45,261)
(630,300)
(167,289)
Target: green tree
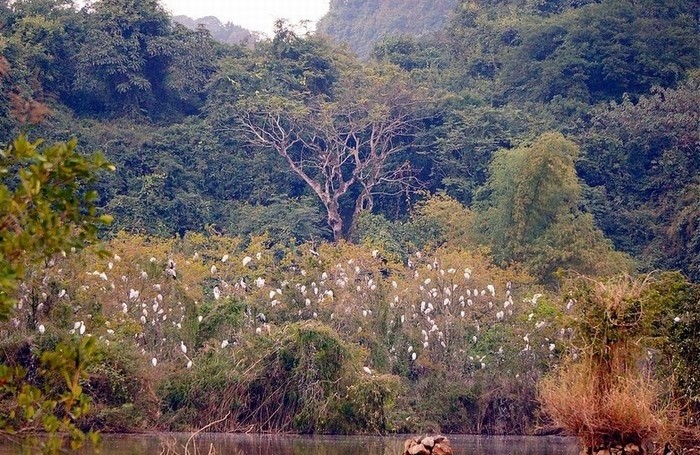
(467,141)
(600,51)
(134,59)
(47,207)
(532,214)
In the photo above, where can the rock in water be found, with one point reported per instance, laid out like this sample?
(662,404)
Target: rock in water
(418,449)
(428,445)
(442,449)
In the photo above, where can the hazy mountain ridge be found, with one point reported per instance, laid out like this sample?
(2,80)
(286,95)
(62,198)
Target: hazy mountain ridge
(361,23)
(226,33)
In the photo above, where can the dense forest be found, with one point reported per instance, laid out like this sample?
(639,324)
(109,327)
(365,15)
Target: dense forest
(312,237)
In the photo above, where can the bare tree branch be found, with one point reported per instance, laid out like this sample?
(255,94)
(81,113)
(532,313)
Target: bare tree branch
(335,145)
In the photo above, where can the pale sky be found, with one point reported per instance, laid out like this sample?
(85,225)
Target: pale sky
(256,15)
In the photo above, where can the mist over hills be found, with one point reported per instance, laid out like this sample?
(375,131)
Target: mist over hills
(361,23)
(226,33)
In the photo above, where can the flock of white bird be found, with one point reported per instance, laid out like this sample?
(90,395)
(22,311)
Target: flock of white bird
(422,310)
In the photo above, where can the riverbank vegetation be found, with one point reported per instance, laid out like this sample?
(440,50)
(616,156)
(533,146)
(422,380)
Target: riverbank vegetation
(490,229)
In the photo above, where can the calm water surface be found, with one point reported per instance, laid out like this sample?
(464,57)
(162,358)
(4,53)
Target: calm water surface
(242,444)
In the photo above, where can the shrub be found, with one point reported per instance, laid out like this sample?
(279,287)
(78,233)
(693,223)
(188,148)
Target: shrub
(607,394)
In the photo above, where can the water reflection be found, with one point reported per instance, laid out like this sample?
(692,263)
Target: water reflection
(241,444)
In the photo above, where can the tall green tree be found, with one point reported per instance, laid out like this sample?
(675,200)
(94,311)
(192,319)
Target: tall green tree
(532,213)
(134,59)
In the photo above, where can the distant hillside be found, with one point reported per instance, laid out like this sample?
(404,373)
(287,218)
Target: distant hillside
(361,23)
(225,33)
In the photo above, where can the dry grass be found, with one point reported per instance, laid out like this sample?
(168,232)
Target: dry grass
(626,409)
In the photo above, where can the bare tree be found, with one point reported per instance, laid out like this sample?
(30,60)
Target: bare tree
(351,140)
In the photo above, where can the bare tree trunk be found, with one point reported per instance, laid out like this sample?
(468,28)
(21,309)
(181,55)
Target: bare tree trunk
(335,221)
(364,203)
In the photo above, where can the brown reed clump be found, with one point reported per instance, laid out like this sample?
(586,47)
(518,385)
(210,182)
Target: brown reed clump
(607,397)
(626,410)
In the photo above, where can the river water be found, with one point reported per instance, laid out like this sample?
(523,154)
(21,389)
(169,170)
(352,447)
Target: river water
(243,444)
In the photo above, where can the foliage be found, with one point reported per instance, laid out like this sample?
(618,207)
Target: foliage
(471,134)
(134,58)
(44,207)
(631,151)
(606,394)
(677,327)
(604,49)
(532,213)
(282,219)
(53,409)
(300,378)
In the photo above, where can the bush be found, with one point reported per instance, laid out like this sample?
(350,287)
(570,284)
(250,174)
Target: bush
(607,394)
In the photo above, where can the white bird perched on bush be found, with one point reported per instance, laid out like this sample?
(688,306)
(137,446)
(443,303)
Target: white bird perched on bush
(367,370)
(217,293)
(183,348)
